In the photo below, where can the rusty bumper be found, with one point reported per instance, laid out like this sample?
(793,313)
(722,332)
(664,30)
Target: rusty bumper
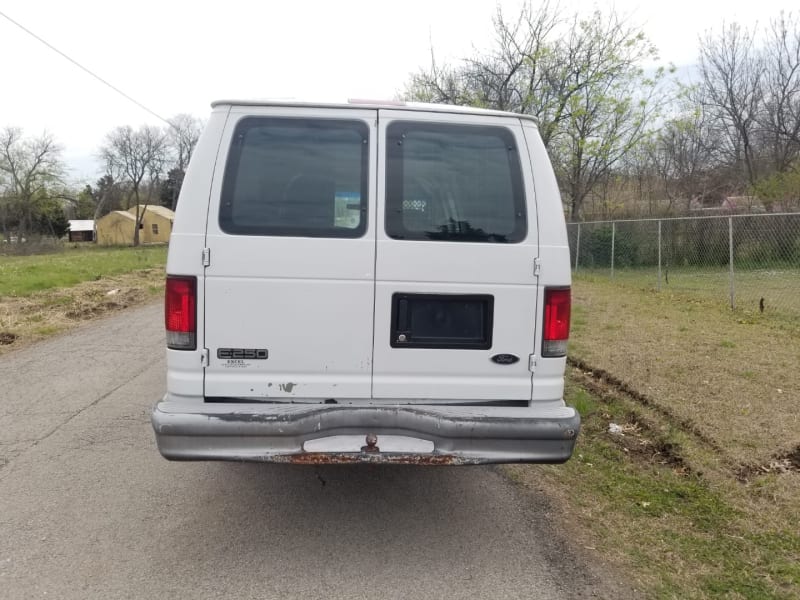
(280,433)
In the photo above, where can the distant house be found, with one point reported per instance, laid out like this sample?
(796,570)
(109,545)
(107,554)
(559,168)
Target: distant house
(116,228)
(156,225)
(742,204)
(729,205)
(81,230)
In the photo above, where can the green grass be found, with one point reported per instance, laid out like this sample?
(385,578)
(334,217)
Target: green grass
(47,330)
(778,286)
(25,275)
(681,535)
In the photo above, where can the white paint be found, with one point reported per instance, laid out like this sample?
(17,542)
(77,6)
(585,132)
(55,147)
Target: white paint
(308,300)
(322,307)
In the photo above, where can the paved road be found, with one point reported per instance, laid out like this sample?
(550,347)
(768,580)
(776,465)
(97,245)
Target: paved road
(89,509)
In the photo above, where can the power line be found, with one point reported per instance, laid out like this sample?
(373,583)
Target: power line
(80,66)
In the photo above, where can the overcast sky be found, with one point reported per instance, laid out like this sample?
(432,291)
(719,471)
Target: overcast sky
(175,56)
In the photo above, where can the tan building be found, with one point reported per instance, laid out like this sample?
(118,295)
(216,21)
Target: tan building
(116,228)
(156,224)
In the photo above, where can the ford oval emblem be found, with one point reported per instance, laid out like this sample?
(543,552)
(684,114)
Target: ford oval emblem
(505,359)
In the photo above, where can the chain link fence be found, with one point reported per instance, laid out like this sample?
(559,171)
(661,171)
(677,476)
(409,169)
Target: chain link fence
(749,262)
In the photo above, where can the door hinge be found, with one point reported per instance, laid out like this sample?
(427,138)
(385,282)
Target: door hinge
(206,257)
(204,357)
(537,266)
(532,363)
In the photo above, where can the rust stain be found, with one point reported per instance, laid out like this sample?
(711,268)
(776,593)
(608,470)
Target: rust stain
(344,458)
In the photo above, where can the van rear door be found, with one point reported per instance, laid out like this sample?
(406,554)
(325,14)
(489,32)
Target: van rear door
(455,304)
(289,288)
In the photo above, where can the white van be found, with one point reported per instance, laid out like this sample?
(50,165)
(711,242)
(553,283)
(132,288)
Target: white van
(367,282)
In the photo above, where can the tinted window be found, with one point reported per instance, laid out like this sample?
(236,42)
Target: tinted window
(453,182)
(296,177)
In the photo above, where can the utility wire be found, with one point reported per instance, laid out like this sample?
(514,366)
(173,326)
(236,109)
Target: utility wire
(80,66)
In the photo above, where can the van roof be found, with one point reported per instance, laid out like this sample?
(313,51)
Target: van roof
(376,104)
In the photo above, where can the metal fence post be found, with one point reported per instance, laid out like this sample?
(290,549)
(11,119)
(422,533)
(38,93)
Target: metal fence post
(659,255)
(613,239)
(730,262)
(764,246)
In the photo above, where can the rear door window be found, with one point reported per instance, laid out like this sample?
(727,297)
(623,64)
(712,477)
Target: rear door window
(453,183)
(296,177)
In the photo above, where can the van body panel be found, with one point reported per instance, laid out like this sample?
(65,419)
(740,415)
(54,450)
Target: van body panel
(555,269)
(503,271)
(372,272)
(187,240)
(306,301)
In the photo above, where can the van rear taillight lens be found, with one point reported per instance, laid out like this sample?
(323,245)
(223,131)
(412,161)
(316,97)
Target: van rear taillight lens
(557,302)
(180,312)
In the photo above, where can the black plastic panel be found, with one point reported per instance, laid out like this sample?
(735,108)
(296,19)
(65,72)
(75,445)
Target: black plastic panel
(452,321)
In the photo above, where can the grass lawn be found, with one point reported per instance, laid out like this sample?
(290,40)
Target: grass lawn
(696,495)
(732,374)
(779,286)
(46,294)
(25,275)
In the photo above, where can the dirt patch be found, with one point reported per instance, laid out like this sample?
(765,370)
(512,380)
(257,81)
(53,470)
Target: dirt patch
(7,338)
(602,383)
(641,442)
(100,302)
(641,439)
(30,318)
(788,462)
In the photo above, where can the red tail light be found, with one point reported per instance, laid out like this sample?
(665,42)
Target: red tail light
(557,303)
(180,312)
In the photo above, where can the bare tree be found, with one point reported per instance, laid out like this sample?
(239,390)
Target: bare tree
(611,104)
(732,72)
(686,153)
(136,157)
(443,84)
(513,76)
(182,137)
(28,166)
(580,78)
(780,116)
